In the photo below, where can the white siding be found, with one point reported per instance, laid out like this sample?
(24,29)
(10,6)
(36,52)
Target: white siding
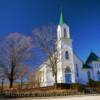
(82,78)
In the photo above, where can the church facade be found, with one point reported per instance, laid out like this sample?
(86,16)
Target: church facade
(70,68)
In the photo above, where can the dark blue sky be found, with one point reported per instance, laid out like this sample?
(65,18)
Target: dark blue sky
(83,17)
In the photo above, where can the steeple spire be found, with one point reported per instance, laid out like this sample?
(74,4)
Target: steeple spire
(61,21)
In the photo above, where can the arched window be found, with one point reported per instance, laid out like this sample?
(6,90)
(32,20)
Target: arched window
(68,75)
(67,70)
(89,75)
(98,75)
(66,55)
(65,33)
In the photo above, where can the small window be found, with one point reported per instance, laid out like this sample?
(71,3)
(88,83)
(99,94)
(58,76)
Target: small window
(77,74)
(89,75)
(66,55)
(98,65)
(98,72)
(95,65)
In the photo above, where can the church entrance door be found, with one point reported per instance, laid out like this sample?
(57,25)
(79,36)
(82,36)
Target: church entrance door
(68,78)
(98,74)
(68,75)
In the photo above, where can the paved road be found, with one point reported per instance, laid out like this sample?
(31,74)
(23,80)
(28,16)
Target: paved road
(61,98)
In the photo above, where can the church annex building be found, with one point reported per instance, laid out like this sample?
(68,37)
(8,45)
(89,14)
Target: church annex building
(70,68)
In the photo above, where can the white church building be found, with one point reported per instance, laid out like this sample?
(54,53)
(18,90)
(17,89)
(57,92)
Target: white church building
(70,69)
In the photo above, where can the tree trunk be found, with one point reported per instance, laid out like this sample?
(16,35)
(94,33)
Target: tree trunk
(2,84)
(11,83)
(55,80)
(21,83)
(11,80)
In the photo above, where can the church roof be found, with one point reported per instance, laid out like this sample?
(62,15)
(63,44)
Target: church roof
(92,57)
(61,21)
(86,66)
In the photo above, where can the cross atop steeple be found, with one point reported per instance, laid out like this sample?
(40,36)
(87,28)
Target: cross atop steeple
(61,21)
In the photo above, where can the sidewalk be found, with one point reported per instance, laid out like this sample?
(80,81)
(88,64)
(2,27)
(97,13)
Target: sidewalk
(77,97)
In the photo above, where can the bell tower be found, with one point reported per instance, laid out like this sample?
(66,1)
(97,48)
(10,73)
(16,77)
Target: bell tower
(63,29)
(65,66)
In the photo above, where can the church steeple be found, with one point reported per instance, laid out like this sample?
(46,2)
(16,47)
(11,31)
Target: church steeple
(61,21)
(63,31)
(65,53)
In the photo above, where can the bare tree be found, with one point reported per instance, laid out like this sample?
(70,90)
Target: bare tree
(33,78)
(45,38)
(2,77)
(23,73)
(15,50)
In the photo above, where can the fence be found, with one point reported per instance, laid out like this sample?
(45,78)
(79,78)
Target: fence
(47,92)
(14,94)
